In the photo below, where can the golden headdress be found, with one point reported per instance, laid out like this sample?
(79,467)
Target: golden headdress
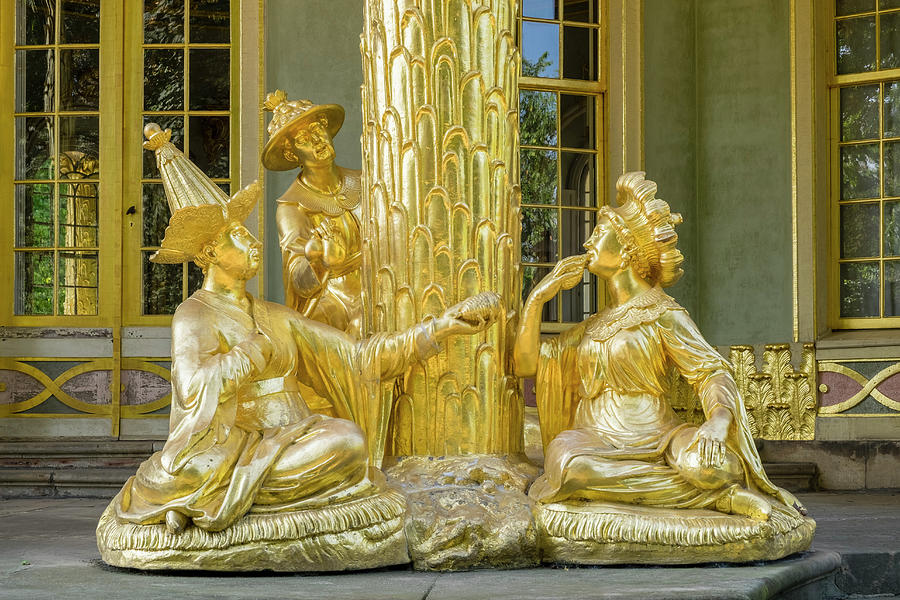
(287,119)
(200,209)
(645,227)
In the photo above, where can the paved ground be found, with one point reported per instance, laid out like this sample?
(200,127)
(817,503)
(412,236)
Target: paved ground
(47,550)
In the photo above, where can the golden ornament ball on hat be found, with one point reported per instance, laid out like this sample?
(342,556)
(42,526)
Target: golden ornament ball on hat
(200,209)
(288,118)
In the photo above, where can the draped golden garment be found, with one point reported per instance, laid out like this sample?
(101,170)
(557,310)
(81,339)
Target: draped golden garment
(244,441)
(607,425)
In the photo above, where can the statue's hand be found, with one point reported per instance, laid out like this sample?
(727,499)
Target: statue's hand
(331,248)
(711,438)
(567,273)
(469,316)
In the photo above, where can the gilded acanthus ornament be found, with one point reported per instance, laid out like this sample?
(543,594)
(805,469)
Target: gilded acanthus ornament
(249,478)
(625,479)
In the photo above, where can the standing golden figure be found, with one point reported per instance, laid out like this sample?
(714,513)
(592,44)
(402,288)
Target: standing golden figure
(610,434)
(249,478)
(318,216)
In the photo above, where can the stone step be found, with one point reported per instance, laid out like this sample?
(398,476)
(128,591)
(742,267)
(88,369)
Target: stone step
(74,482)
(793,476)
(76,454)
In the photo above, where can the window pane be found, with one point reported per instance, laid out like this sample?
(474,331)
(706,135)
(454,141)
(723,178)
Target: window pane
(539,9)
(78,215)
(892,109)
(34,88)
(537,118)
(885,4)
(161,286)
(79,75)
(580,302)
(209,145)
(579,53)
(34,215)
(859,172)
(77,283)
(583,11)
(163,21)
(891,231)
(538,168)
(577,226)
(34,283)
(859,230)
(34,148)
(852,7)
(540,231)
(80,21)
(889,40)
(860,287)
(163,79)
(540,49)
(578,179)
(155,213)
(892,168)
(892,288)
(531,276)
(856,45)
(195,278)
(859,112)
(577,121)
(176,124)
(80,138)
(39,24)
(210,22)
(209,79)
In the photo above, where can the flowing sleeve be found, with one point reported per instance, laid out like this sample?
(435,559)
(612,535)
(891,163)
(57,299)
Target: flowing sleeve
(300,279)
(205,373)
(711,378)
(557,382)
(350,373)
(699,363)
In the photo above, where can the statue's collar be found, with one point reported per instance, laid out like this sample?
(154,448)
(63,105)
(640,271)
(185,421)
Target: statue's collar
(642,308)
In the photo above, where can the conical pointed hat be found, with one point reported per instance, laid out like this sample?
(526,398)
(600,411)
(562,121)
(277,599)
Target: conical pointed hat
(200,209)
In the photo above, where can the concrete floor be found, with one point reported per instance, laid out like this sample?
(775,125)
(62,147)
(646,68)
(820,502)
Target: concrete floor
(47,550)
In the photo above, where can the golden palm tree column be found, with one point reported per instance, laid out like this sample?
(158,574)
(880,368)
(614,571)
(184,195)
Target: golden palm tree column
(441,212)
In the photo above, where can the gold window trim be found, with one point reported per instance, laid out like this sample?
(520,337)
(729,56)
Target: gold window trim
(834,84)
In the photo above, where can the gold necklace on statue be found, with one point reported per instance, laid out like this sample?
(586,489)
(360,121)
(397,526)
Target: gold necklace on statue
(331,203)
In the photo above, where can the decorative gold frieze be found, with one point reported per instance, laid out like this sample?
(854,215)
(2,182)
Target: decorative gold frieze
(780,400)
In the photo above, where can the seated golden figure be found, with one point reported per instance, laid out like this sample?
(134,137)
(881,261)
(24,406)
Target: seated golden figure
(609,431)
(241,439)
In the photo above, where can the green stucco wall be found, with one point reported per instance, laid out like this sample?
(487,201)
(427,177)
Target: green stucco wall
(312,51)
(738,250)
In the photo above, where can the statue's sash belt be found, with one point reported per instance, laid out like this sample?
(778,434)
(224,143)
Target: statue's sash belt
(270,403)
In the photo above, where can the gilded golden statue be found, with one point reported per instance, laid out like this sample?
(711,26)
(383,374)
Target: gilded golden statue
(241,440)
(318,216)
(609,430)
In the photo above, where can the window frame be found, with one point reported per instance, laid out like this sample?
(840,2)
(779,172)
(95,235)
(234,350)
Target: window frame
(598,91)
(834,83)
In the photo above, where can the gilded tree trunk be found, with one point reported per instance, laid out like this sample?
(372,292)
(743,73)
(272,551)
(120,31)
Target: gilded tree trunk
(441,211)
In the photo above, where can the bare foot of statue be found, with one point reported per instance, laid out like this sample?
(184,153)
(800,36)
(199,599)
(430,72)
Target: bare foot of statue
(175,521)
(738,501)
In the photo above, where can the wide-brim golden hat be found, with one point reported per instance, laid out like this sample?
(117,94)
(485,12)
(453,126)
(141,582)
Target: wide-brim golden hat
(200,209)
(288,118)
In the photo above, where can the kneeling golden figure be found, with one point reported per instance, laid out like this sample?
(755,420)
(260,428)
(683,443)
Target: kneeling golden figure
(610,435)
(250,478)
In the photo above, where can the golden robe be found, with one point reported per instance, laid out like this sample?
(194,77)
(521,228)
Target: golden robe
(333,297)
(607,424)
(241,438)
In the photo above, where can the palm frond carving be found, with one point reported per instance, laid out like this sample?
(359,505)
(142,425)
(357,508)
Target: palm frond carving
(441,210)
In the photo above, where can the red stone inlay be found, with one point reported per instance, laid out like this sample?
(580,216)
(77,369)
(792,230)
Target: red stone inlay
(890,387)
(840,388)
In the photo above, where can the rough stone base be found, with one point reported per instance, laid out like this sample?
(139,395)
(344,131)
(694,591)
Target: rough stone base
(360,534)
(468,512)
(606,534)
